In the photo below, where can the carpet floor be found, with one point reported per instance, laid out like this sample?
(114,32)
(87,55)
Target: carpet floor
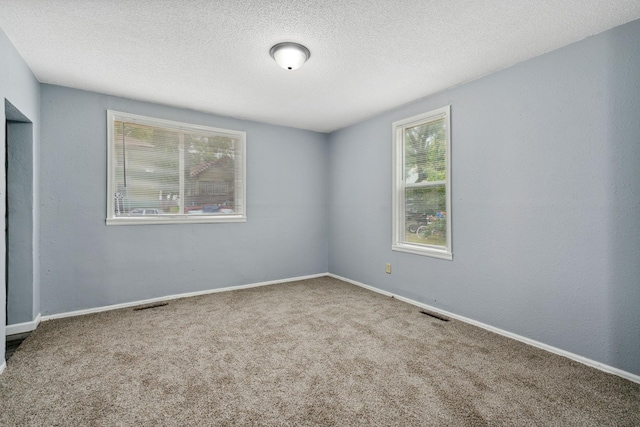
(313,352)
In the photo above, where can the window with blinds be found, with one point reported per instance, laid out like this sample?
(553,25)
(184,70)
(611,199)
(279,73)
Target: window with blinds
(422,184)
(162,171)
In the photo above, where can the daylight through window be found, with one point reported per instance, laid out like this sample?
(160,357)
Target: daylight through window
(422,184)
(169,172)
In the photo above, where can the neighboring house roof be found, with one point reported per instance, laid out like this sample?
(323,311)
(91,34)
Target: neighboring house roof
(198,169)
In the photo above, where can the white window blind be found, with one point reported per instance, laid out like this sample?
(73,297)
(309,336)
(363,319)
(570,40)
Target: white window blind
(422,190)
(170,171)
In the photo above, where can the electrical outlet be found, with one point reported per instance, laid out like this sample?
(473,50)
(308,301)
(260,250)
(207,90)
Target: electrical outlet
(388,268)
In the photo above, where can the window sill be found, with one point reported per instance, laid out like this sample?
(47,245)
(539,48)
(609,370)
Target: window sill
(178,219)
(424,251)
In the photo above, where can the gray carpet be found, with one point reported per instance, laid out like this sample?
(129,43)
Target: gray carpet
(315,352)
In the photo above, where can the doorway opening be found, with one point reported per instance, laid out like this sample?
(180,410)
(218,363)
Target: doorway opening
(17,203)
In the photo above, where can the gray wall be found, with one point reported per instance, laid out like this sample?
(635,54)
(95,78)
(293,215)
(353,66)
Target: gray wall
(546,201)
(19,86)
(87,264)
(20,304)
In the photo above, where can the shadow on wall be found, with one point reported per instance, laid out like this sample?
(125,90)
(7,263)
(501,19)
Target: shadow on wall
(19,216)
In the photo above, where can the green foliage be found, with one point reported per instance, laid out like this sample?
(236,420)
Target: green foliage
(434,233)
(437,227)
(425,152)
(205,149)
(426,201)
(131,130)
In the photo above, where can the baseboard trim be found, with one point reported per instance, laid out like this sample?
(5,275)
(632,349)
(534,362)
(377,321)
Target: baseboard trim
(589,362)
(176,296)
(3,366)
(29,326)
(20,328)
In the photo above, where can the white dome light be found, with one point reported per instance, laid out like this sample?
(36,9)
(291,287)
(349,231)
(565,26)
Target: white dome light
(290,56)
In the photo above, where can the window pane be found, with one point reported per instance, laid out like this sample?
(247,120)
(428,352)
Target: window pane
(425,215)
(210,167)
(425,152)
(173,172)
(146,168)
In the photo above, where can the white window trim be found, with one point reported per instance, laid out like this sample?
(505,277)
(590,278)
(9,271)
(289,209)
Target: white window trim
(111,219)
(398,201)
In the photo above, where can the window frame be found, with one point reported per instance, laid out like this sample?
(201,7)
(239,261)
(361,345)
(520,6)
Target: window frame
(179,218)
(399,186)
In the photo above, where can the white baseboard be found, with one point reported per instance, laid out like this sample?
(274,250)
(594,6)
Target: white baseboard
(3,366)
(589,362)
(20,328)
(177,296)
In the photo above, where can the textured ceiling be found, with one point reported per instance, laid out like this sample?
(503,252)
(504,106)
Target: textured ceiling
(366,56)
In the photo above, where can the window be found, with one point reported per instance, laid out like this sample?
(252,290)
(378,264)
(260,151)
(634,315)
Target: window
(161,171)
(206,187)
(220,188)
(422,184)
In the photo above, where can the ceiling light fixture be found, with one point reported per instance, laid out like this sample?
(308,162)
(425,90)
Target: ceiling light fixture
(290,56)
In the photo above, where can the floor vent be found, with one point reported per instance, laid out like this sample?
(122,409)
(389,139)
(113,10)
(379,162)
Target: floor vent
(148,306)
(434,315)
